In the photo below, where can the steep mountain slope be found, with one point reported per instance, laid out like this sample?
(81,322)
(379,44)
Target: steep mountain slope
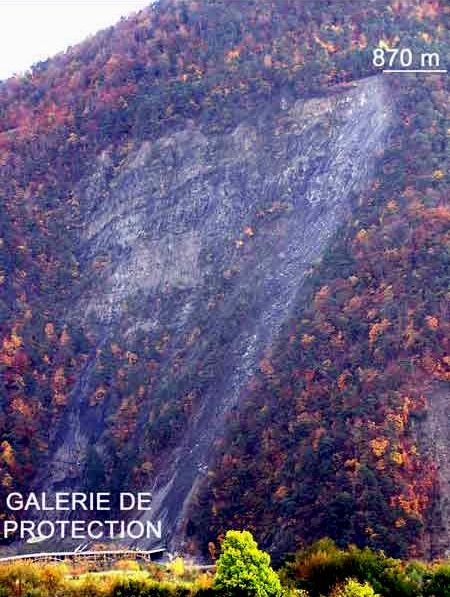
(220,253)
(218,206)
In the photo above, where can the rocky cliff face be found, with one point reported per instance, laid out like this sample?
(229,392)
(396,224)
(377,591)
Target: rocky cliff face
(208,237)
(434,435)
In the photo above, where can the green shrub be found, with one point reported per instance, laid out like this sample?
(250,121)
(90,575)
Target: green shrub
(353,588)
(437,583)
(129,587)
(89,586)
(323,566)
(177,567)
(30,580)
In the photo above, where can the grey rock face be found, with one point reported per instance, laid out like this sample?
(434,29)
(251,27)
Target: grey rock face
(214,232)
(434,439)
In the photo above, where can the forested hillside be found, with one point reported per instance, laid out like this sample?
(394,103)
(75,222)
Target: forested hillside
(331,435)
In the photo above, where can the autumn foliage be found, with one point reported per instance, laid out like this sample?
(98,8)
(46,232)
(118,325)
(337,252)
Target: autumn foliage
(327,432)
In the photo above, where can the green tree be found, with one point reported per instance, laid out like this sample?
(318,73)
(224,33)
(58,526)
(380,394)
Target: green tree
(353,588)
(244,570)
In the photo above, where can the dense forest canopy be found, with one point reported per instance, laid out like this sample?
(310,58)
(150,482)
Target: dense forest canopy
(332,414)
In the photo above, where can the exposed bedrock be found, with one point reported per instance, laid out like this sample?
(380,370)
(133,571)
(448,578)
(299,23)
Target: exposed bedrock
(214,232)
